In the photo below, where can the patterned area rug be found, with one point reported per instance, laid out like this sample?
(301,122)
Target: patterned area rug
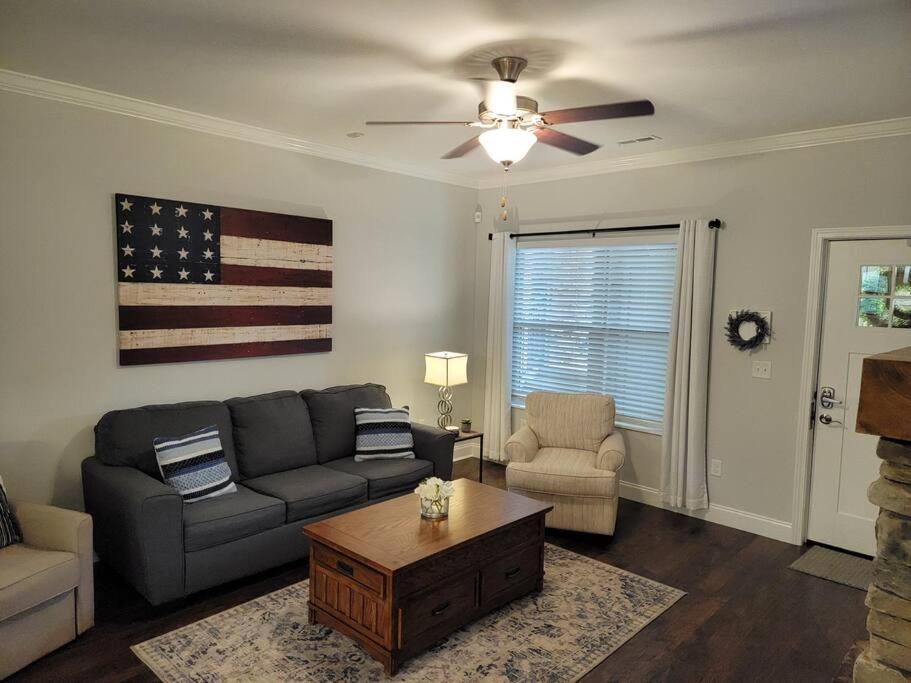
(586,611)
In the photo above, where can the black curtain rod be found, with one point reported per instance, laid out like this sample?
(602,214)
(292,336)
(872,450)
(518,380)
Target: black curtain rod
(714,224)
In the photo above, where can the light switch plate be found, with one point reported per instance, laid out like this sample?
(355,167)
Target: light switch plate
(715,467)
(762,369)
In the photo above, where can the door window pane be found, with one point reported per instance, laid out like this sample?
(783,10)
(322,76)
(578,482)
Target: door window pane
(901,314)
(873,312)
(875,279)
(902,281)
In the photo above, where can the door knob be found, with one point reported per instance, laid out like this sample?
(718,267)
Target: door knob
(826,419)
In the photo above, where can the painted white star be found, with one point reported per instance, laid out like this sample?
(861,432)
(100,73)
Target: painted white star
(208,253)
(156,252)
(127,250)
(180,211)
(156,231)
(156,209)
(128,271)
(207,215)
(126,204)
(183,233)
(183,253)
(184,273)
(209,275)
(127,227)
(156,273)
(207,235)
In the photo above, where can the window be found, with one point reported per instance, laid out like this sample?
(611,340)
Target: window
(879,303)
(596,316)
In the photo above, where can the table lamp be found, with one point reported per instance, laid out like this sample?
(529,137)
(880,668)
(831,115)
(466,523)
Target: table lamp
(446,369)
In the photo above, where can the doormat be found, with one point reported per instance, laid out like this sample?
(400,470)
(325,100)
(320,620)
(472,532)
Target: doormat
(833,565)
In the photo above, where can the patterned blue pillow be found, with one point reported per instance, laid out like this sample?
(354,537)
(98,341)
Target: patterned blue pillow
(382,434)
(194,464)
(9,526)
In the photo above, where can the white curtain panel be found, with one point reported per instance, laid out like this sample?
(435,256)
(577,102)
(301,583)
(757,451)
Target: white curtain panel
(498,384)
(683,481)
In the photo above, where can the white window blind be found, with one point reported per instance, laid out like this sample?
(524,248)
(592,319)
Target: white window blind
(595,318)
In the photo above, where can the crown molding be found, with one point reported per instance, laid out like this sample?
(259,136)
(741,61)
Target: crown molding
(36,86)
(770,143)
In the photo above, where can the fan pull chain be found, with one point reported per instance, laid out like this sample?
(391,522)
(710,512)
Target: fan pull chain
(504,214)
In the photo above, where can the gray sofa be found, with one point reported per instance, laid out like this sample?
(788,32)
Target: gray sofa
(292,458)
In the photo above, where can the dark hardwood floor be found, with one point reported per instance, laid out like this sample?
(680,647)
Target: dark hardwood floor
(746,616)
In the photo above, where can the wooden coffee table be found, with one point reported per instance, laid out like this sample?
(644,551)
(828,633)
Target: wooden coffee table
(397,583)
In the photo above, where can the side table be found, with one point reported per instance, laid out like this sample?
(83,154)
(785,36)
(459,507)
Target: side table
(467,436)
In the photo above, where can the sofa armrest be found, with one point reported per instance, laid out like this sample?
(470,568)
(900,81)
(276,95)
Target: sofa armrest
(522,446)
(612,453)
(53,528)
(138,527)
(437,446)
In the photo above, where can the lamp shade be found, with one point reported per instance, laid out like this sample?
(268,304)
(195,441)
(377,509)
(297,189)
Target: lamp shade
(446,368)
(507,144)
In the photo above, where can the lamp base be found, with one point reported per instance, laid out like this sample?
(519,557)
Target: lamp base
(444,406)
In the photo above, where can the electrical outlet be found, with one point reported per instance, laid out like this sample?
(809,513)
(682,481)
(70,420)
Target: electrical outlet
(762,369)
(715,467)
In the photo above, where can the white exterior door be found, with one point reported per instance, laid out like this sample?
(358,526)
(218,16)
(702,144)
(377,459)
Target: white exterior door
(867,310)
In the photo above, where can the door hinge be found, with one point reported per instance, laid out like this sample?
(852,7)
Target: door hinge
(813,412)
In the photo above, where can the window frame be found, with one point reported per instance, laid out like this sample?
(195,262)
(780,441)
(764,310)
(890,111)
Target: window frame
(662,236)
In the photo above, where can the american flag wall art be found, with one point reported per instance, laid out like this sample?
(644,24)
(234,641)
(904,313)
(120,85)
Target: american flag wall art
(204,282)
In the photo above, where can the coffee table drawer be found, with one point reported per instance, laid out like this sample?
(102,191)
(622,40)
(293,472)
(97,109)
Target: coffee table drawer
(512,569)
(448,606)
(361,573)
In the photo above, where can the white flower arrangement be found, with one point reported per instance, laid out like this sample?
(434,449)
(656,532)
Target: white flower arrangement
(435,494)
(435,489)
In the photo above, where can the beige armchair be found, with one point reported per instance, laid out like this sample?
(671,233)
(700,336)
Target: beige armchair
(568,455)
(47,589)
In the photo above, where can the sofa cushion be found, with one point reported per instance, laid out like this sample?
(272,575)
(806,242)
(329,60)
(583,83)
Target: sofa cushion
(124,437)
(382,434)
(385,477)
(9,526)
(562,471)
(194,464)
(30,576)
(332,416)
(272,433)
(311,491)
(580,421)
(222,519)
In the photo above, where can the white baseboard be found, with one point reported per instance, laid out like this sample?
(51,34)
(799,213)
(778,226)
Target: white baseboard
(719,514)
(465,450)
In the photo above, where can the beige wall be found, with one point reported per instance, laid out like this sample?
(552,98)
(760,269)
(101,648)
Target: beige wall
(403,276)
(770,203)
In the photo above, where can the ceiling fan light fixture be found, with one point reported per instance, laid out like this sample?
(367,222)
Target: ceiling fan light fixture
(501,98)
(507,145)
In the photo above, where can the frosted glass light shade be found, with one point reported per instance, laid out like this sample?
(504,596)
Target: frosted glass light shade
(507,144)
(446,368)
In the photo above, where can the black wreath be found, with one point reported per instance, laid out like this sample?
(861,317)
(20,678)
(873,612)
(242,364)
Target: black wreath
(735,320)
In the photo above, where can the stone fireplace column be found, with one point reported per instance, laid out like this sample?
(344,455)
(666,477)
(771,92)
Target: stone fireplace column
(885,409)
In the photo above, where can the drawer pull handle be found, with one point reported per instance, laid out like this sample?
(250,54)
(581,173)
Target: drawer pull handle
(344,568)
(439,610)
(512,572)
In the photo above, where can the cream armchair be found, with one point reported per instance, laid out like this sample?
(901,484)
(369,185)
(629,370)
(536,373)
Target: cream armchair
(47,589)
(568,455)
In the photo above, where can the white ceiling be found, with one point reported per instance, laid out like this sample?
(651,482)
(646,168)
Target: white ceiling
(717,70)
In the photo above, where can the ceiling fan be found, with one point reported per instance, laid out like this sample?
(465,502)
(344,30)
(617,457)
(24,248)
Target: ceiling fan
(513,124)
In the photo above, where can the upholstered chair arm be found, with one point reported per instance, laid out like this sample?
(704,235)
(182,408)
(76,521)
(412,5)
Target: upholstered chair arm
(53,528)
(612,452)
(522,446)
(436,445)
(138,527)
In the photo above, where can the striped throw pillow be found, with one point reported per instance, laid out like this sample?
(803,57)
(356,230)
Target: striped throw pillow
(9,526)
(194,464)
(382,434)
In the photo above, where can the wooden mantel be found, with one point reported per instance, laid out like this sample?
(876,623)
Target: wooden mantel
(884,406)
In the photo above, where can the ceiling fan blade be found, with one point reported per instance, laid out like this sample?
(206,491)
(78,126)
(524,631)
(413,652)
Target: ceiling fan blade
(462,149)
(418,123)
(568,142)
(598,112)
